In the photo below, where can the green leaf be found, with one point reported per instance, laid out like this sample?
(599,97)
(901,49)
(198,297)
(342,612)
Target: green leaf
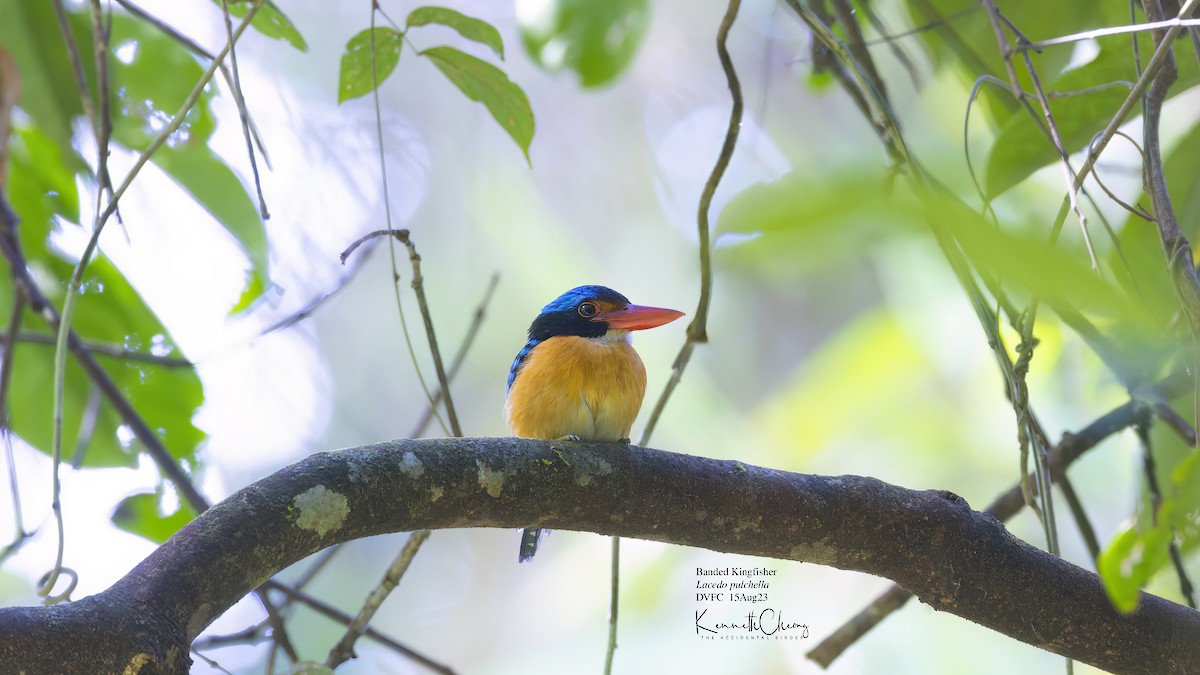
(1057,275)
(481,81)
(467,26)
(959,35)
(215,187)
(30,33)
(806,224)
(1139,551)
(251,292)
(142,514)
(595,38)
(43,182)
(1127,563)
(355,78)
(1022,147)
(269,21)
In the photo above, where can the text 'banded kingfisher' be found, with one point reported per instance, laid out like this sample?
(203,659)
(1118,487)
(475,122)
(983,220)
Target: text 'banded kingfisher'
(578,377)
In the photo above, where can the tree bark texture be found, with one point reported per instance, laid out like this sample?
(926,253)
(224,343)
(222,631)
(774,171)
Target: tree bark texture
(929,542)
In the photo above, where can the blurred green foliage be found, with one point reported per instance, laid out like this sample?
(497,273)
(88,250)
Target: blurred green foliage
(150,76)
(597,40)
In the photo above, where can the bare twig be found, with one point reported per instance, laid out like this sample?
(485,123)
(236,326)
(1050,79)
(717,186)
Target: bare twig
(854,42)
(210,662)
(1142,427)
(1028,432)
(387,212)
(1080,515)
(20,536)
(344,649)
(1106,32)
(106,349)
(243,115)
(87,426)
(1138,210)
(418,286)
(459,356)
(195,47)
(697,331)
(331,612)
(103,129)
(85,97)
(1174,243)
(880,27)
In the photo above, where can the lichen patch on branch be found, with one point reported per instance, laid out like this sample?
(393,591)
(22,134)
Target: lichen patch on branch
(411,466)
(492,480)
(320,510)
(588,467)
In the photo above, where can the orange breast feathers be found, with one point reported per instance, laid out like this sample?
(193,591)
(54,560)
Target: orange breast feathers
(588,387)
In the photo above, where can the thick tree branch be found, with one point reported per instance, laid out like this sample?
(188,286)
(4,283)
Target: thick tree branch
(930,542)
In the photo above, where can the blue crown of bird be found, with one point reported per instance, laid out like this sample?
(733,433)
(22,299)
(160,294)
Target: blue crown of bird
(578,376)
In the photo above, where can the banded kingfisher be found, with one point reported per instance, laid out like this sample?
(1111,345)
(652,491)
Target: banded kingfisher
(578,376)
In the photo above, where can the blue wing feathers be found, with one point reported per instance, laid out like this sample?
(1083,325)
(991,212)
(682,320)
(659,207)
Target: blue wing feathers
(520,360)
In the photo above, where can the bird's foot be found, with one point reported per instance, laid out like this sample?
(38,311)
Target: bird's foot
(569,437)
(624,441)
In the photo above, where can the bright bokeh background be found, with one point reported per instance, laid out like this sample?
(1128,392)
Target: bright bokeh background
(868,362)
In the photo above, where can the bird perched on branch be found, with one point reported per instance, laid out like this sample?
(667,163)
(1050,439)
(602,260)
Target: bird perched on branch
(578,377)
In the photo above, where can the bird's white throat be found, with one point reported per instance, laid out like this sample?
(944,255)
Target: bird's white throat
(615,335)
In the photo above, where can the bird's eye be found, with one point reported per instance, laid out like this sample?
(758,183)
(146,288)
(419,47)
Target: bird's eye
(587,310)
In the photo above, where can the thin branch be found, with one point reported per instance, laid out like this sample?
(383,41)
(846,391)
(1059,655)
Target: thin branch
(87,426)
(210,662)
(459,356)
(331,612)
(112,393)
(854,42)
(103,129)
(197,49)
(344,650)
(1174,243)
(418,286)
(387,212)
(243,114)
(1081,519)
(898,52)
(106,349)
(1142,427)
(1106,32)
(697,330)
(1028,432)
(81,84)
(20,536)
(1137,211)
(395,234)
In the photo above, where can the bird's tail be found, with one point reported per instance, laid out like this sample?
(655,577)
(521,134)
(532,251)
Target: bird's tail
(529,543)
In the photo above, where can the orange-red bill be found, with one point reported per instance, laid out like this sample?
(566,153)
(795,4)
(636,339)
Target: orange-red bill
(638,317)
